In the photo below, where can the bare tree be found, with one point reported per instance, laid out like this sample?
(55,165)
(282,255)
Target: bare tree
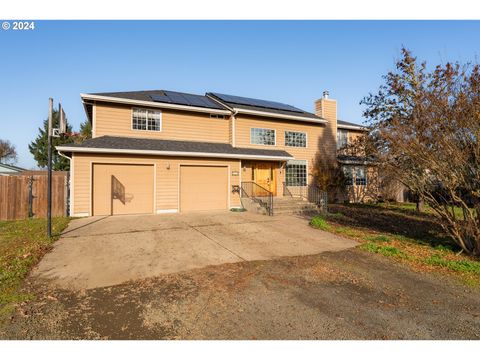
(425,126)
(8,153)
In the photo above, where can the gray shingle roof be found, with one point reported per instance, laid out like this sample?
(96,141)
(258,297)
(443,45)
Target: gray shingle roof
(10,167)
(146,96)
(127,143)
(299,113)
(346,123)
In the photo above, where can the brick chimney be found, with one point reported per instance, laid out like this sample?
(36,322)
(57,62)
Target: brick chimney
(326,108)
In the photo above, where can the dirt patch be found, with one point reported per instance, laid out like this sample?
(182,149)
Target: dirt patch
(343,295)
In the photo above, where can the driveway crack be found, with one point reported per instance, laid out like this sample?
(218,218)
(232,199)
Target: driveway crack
(219,244)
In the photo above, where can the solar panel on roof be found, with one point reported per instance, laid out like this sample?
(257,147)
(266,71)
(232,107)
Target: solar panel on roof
(160,98)
(197,101)
(176,98)
(256,102)
(184,99)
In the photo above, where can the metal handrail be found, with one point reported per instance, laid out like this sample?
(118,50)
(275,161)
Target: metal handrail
(311,193)
(258,194)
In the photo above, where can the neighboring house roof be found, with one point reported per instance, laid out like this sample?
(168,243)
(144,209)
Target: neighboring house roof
(5,168)
(264,107)
(356,160)
(349,125)
(127,145)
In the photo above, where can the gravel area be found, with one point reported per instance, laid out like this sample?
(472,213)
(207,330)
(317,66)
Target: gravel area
(348,294)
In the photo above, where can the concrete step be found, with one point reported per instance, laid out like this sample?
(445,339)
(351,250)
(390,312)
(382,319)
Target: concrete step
(288,199)
(292,205)
(297,211)
(284,205)
(304,204)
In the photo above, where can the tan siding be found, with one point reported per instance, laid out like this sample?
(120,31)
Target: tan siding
(203,188)
(327,109)
(167,177)
(315,138)
(122,189)
(116,120)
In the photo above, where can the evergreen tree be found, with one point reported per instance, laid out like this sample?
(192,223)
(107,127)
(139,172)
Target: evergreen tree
(85,131)
(39,147)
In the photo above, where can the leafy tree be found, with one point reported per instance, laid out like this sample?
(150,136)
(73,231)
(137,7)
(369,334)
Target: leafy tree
(8,153)
(425,126)
(329,177)
(39,147)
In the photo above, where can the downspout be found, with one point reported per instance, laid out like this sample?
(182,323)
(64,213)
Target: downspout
(233,127)
(232,116)
(65,156)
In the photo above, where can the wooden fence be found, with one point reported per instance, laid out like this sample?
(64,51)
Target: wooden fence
(24,196)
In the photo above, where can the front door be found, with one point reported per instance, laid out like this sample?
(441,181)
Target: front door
(264,175)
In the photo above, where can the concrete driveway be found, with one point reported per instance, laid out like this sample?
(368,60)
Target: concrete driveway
(103,251)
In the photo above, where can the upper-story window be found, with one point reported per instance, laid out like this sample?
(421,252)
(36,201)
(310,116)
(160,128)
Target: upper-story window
(262,136)
(342,138)
(146,119)
(295,138)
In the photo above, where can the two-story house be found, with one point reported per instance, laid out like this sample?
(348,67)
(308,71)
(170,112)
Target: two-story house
(166,152)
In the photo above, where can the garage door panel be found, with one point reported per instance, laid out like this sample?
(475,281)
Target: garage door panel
(122,189)
(203,188)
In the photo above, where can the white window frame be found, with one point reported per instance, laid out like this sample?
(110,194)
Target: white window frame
(365,174)
(306,171)
(147,110)
(298,132)
(346,138)
(274,136)
(352,173)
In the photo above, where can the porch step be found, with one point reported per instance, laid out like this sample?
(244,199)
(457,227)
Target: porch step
(252,206)
(293,205)
(282,206)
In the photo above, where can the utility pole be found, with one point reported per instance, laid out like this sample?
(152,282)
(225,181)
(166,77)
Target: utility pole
(49,186)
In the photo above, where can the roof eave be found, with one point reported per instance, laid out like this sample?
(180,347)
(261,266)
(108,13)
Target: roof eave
(73,149)
(153,104)
(356,162)
(281,116)
(352,127)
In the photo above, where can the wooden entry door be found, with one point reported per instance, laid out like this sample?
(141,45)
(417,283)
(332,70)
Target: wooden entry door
(264,175)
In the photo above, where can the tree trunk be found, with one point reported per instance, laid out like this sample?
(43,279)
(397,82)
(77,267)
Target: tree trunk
(420,205)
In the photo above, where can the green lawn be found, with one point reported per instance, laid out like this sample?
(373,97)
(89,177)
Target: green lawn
(22,244)
(399,232)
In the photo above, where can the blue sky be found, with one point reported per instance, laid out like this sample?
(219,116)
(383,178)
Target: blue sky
(286,61)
